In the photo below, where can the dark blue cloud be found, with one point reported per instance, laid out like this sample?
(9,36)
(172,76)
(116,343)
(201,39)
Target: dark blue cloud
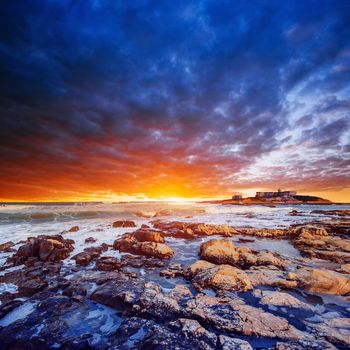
(176,78)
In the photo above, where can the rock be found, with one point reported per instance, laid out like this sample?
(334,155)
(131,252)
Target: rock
(107,263)
(344,269)
(246,240)
(174,270)
(231,315)
(119,292)
(181,334)
(127,243)
(144,226)
(157,250)
(44,248)
(263,232)
(124,223)
(322,281)
(295,213)
(147,235)
(309,231)
(219,277)
(30,287)
(279,299)
(191,230)
(228,343)
(7,247)
(219,251)
(89,254)
(90,240)
(344,212)
(74,229)
(83,258)
(268,258)
(335,330)
(222,251)
(266,277)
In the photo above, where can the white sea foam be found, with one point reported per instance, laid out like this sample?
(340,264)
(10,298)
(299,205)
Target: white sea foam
(18,313)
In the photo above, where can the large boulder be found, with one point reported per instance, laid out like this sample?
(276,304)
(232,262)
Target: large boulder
(223,251)
(148,235)
(129,244)
(276,298)
(219,251)
(191,230)
(123,223)
(219,277)
(322,281)
(309,231)
(43,248)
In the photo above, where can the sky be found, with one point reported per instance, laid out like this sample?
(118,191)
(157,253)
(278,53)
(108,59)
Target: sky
(120,100)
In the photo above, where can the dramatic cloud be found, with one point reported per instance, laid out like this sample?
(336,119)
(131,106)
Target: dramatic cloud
(164,98)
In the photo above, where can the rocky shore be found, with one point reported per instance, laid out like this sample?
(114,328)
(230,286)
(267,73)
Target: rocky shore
(180,285)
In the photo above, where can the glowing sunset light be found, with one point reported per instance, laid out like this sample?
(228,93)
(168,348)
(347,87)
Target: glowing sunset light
(166,100)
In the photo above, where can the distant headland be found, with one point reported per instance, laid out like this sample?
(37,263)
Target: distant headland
(273,198)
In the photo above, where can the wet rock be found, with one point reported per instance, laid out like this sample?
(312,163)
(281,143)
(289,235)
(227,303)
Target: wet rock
(90,240)
(124,223)
(89,254)
(335,330)
(270,259)
(246,240)
(344,212)
(7,247)
(309,231)
(279,299)
(107,263)
(231,315)
(228,343)
(209,230)
(7,307)
(148,235)
(344,269)
(262,276)
(191,230)
(222,251)
(182,334)
(31,287)
(129,244)
(219,277)
(322,281)
(186,233)
(263,232)
(295,213)
(51,321)
(75,289)
(74,229)
(173,270)
(315,242)
(120,292)
(83,258)
(313,344)
(219,251)
(44,248)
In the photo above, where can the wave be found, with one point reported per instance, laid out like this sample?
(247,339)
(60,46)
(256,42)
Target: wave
(53,216)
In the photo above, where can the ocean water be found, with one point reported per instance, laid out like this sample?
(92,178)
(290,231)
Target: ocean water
(17,222)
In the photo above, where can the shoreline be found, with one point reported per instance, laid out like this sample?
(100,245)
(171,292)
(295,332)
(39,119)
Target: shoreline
(160,282)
